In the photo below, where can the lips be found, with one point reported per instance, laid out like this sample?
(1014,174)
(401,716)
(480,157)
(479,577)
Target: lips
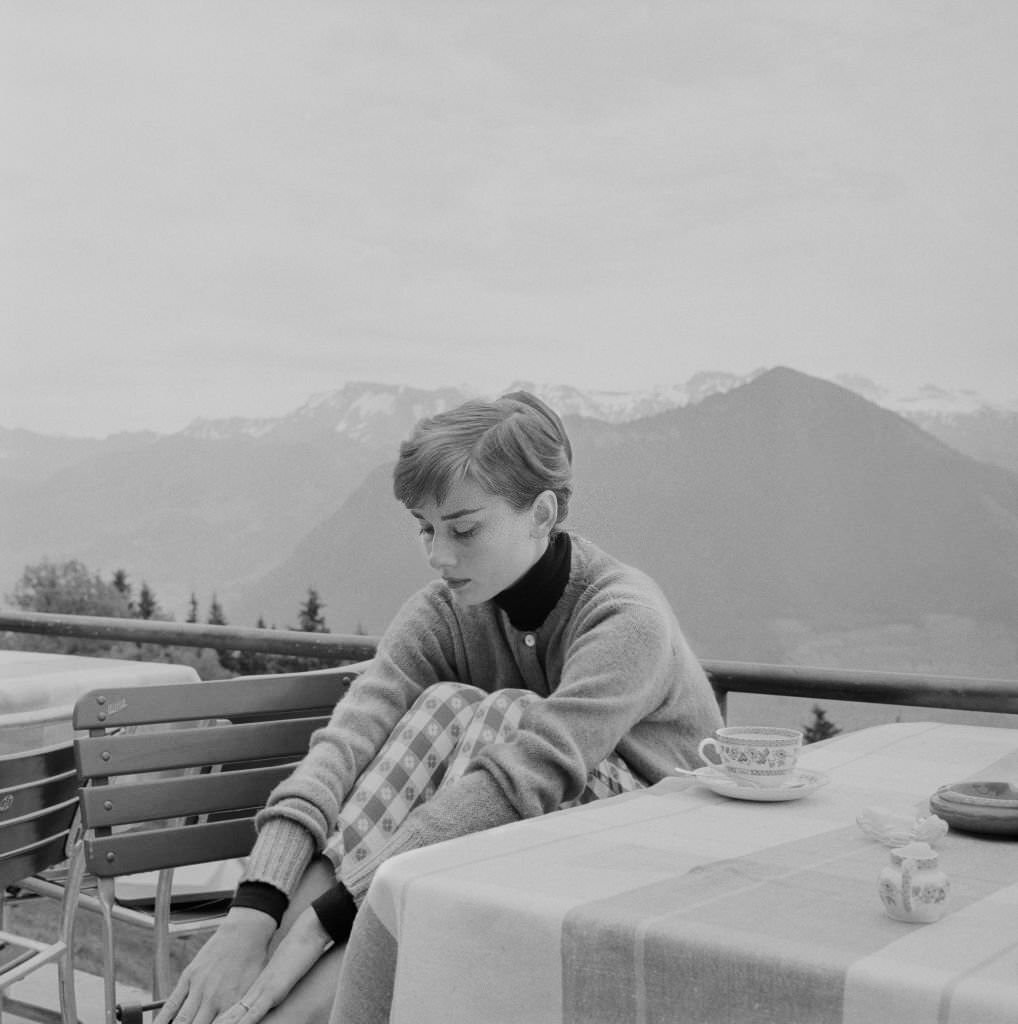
(453,583)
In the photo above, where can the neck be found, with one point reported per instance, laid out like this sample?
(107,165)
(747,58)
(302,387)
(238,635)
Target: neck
(531,598)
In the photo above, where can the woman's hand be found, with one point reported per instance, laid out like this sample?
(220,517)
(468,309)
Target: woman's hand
(299,950)
(222,970)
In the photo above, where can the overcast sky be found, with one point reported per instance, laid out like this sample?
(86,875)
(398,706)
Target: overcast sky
(221,208)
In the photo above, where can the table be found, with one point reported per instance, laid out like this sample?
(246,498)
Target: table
(38,691)
(677,904)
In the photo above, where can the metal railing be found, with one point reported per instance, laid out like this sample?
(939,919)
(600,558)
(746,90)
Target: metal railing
(930,691)
(192,634)
(960,693)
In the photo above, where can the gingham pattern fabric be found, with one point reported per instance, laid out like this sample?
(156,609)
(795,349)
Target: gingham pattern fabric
(433,744)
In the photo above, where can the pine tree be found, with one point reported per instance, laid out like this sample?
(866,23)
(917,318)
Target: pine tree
(820,728)
(192,610)
(123,587)
(216,615)
(311,618)
(148,606)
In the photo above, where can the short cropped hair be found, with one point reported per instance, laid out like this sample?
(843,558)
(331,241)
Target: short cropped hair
(514,447)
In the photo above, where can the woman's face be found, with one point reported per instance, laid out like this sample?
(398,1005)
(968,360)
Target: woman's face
(478,543)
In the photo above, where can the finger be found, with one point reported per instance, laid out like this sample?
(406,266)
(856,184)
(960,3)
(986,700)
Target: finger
(232,1015)
(205,1015)
(249,1010)
(194,1011)
(172,1004)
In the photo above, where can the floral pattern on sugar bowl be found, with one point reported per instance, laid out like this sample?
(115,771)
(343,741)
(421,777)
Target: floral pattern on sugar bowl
(913,887)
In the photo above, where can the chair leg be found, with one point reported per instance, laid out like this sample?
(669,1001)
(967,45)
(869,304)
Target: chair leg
(68,917)
(161,935)
(106,900)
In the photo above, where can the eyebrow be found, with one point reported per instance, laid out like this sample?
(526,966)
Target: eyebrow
(452,515)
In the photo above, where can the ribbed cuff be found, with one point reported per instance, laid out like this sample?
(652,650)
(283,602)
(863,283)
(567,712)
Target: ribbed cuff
(280,854)
(336,910)
(261,896)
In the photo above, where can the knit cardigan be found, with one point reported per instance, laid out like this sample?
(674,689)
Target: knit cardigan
(610,660)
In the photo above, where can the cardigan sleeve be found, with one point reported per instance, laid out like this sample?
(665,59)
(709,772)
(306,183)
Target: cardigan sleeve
(417,650)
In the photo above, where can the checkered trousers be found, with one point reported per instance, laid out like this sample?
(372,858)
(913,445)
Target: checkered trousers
(431,746)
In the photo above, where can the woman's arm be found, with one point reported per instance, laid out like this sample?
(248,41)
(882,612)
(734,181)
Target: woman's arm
(418,649)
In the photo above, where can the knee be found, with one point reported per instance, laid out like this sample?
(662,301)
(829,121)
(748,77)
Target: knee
(507,701)
(455,696)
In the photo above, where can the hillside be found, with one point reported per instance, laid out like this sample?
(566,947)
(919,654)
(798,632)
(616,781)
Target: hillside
(781,512)
(182,513)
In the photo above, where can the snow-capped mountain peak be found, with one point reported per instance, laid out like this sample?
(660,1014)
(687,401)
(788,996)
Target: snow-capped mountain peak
(928,400)
(375,413)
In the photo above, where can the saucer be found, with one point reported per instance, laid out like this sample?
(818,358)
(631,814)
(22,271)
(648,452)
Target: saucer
(801,784)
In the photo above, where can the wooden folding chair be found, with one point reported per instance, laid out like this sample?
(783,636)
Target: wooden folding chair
(38,804)
(166,796)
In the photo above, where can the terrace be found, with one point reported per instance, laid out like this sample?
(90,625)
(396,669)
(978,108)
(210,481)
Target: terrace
(970,697)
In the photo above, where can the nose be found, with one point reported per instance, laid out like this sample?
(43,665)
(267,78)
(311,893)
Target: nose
(440,554)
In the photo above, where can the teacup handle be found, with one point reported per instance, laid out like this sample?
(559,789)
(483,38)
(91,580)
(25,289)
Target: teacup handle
(709,744)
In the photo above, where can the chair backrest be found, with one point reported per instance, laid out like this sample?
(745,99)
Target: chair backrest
(199,770)
(38,802)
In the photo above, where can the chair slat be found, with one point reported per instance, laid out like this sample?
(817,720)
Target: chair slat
(133,852)
(39,826)
(32,766)
(134,753)
(17,801)
(228,698)
(18,864)
(154,799)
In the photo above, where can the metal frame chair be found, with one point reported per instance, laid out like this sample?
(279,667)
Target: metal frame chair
(38,807)
(166,796)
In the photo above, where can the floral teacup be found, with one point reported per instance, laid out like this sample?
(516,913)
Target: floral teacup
(756,755)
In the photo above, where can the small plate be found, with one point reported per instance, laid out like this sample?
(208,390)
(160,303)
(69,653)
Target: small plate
(801,784)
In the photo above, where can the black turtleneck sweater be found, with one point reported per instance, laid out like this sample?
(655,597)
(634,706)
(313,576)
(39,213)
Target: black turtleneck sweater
(531,598)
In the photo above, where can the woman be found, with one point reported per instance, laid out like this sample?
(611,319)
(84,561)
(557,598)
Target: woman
(535,673)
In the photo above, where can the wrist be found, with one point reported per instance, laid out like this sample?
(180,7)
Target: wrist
(315,931)
(249,921)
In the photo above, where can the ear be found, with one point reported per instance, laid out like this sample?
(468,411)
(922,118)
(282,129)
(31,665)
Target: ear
(543,514)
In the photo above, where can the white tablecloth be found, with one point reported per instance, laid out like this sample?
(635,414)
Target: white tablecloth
(677,904)
(38,691)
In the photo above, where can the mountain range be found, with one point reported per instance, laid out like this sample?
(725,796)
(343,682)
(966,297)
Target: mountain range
(787,517)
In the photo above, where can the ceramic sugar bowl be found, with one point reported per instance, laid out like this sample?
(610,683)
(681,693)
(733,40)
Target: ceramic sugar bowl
(912,886)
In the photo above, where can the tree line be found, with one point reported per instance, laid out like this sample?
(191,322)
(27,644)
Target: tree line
(71,588)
